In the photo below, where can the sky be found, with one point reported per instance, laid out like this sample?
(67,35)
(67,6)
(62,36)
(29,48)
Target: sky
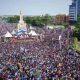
(34,7)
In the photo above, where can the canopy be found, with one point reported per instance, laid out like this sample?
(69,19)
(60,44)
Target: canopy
(50,27)
(32,28)
(33,33)
(13,32)
(8,34)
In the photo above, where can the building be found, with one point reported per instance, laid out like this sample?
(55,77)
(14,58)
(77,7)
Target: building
(78,7)
(74,10)
(61,19)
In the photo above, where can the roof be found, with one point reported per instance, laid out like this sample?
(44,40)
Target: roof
(13,32)
(33,33)
(8,34)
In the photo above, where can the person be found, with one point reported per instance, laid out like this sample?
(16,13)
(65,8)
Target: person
(39,60)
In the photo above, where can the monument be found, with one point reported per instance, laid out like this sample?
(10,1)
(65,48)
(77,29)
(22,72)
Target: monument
(21,27)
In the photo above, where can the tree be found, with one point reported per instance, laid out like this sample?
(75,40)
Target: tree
(13,19)
(38,21)
(66,25)
(77,25)
(77,29)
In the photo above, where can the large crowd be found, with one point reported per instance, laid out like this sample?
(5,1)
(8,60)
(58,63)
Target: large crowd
(44,60)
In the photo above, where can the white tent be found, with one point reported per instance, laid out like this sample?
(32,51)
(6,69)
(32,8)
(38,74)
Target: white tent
(13,32)
(32,28)
(8,34)
(50,27)
(33,33)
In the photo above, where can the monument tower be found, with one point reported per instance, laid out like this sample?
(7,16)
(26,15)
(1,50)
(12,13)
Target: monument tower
(21,27)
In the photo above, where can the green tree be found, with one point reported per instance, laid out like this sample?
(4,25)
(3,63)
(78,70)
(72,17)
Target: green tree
(38,21)
(65,25)
(13,19)
(77,29)
(77,25)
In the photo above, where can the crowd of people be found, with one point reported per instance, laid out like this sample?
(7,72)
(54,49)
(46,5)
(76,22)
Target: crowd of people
(44,60)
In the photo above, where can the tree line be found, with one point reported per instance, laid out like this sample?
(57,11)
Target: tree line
(77,29)
(39,21)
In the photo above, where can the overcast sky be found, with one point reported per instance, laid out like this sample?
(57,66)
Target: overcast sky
(34,7)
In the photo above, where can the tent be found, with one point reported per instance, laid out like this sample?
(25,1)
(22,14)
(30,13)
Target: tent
(8,34)
(33,33)
(32,28)
(13,32)
(50,27)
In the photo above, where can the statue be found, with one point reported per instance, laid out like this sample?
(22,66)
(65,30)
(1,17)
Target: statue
(21,27)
